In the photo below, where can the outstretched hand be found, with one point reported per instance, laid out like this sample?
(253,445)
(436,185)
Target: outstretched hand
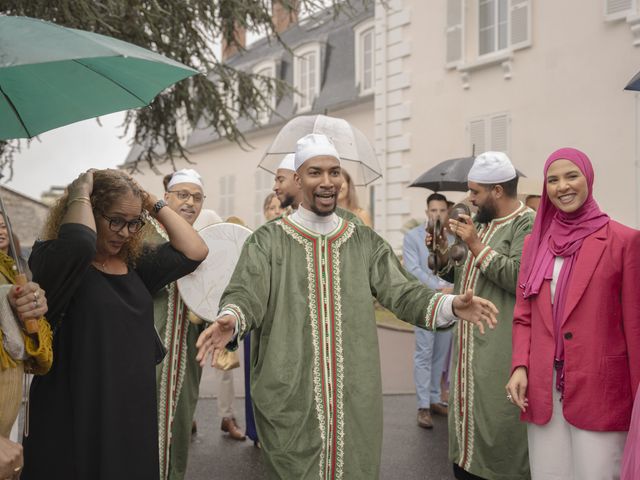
(475,310)
(215,337)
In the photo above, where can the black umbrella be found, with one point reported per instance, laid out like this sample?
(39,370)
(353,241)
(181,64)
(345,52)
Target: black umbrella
(634,83)
(448,176)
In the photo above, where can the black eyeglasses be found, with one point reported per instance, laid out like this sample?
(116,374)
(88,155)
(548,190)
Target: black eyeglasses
(184,195)
(116,224)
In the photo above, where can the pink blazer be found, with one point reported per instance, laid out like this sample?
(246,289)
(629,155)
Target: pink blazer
(601,329)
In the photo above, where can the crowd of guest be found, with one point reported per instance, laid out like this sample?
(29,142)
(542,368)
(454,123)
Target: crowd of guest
(116,378)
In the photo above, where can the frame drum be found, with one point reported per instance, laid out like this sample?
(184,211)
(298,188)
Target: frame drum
(202,289)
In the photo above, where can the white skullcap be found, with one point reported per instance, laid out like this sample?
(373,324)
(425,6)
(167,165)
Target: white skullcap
(314,145)
(288,162)
(491,168)
(186,175)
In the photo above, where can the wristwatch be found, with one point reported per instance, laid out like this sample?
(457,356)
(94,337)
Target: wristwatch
(158,206)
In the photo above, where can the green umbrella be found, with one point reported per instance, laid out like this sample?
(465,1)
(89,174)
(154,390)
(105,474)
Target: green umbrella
(52,76)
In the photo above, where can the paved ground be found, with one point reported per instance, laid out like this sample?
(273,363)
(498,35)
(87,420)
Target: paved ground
(409,452)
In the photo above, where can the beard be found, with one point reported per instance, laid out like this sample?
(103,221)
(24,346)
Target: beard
(287,201)
(320,213)
(486,213)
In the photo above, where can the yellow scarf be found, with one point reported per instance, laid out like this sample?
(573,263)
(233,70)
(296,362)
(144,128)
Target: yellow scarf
(38,346)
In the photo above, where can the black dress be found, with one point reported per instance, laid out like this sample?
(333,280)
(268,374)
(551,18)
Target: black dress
(94,416)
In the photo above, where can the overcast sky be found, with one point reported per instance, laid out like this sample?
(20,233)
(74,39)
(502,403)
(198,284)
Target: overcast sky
(62,154)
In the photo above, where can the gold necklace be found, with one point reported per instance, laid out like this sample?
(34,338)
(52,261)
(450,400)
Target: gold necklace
(101,266)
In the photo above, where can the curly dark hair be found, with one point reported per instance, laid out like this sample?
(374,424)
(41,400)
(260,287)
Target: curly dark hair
(108,186)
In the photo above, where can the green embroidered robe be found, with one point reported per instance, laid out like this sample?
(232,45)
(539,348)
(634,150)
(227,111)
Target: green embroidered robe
(315,366)
(486,437)
(177,376)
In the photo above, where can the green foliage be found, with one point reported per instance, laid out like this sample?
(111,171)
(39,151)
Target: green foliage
(186,31)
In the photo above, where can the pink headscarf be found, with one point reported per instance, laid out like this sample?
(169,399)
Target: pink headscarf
(559,234)
(556,233)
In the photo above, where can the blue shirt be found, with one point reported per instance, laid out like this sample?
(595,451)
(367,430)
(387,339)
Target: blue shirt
(415,255)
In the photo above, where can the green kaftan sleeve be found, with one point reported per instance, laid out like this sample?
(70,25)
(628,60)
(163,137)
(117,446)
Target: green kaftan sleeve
(501,264)
(399,291)
(247,293)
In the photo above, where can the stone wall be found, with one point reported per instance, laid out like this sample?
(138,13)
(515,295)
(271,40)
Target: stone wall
(27,216)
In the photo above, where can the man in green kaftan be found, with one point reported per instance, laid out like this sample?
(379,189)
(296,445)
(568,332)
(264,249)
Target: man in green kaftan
(303,287)
(178,376)
(290,194)
(486,438)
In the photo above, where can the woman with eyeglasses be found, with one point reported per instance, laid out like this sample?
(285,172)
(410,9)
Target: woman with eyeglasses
(94,414)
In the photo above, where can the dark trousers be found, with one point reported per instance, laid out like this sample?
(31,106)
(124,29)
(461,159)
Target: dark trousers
(462,474)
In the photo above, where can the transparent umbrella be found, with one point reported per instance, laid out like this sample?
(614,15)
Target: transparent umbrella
(354,148)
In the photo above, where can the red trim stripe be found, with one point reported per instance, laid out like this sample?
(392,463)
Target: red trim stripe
(331,407)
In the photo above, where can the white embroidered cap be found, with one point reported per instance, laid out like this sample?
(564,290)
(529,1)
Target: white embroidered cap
(288,162)
(314,145)
(492,168)
(186,175)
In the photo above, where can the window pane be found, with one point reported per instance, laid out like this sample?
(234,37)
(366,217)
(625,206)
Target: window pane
(487,27)
(487,14)
(367,60)
(487,41)
(311,63)
(303,87)
(503,19)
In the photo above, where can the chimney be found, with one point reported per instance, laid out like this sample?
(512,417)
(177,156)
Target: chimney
(230,49)
(284,16)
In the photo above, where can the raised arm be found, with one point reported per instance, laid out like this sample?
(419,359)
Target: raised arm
(79,201)
(182,236)
(499,268)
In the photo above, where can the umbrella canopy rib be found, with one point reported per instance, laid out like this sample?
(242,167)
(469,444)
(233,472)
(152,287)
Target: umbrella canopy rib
(13,107)
(110,79)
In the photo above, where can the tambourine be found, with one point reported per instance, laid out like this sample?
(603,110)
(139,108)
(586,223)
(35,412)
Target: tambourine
(459,250)
(434,228)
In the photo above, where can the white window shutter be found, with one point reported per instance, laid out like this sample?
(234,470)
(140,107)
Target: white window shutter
(454,32)
(477,137)
(617,8)
(500,133)
(520,23)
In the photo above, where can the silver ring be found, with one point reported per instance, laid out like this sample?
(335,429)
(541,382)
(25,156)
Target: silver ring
(35,295)
(35,304)
(509,397)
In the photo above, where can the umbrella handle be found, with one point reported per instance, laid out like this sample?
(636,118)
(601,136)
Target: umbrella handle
(31,324)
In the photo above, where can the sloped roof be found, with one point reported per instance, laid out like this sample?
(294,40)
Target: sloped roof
(338,85)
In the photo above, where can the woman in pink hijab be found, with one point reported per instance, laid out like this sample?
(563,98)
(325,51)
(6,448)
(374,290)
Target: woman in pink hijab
(576,331)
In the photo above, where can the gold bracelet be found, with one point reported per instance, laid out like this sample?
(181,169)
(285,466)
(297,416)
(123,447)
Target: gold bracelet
(85,200)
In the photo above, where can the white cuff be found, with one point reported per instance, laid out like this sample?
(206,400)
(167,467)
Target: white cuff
(445,317)
(235,315)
